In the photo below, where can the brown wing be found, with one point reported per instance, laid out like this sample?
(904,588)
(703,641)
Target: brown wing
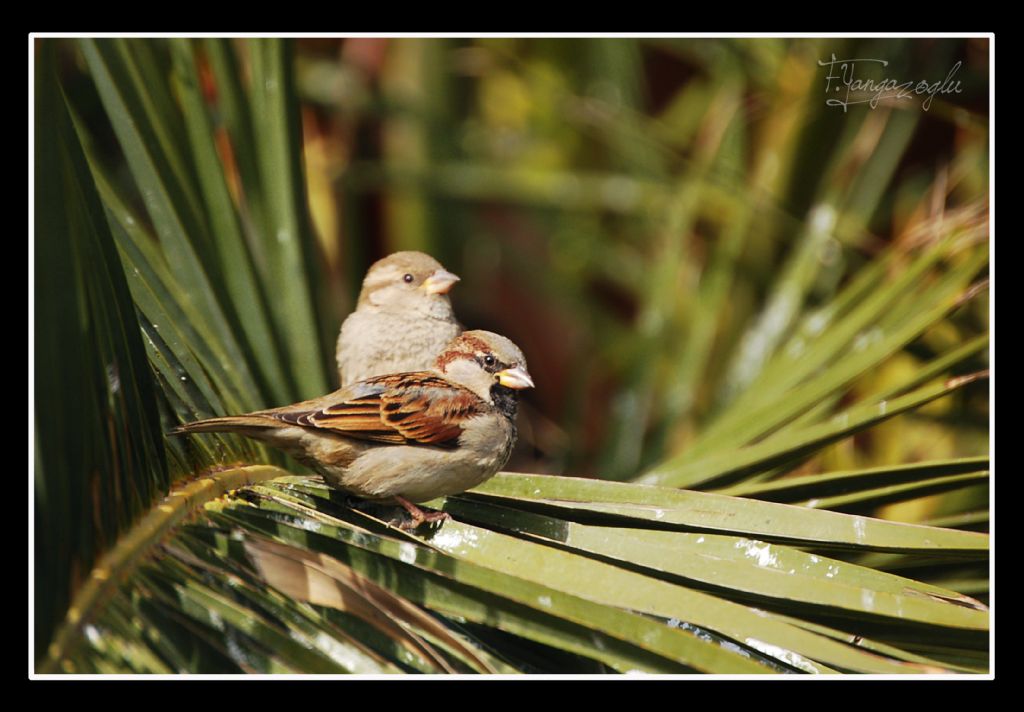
(419,408)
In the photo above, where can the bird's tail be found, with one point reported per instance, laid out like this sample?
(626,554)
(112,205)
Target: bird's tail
(226,424)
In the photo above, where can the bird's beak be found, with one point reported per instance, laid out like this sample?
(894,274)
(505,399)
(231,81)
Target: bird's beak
(439,282)
(515,377)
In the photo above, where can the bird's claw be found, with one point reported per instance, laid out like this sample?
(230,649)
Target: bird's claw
(418,516)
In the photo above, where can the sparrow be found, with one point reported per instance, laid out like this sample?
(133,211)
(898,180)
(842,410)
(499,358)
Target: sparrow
(402,321)
(404,437)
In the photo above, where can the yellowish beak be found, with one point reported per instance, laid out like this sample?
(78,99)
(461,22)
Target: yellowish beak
(515,377)
(440,282)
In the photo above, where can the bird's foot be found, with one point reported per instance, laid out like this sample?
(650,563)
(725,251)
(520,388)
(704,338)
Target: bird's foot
(419,516)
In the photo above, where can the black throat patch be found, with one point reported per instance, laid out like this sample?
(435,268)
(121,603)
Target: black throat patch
(505,400)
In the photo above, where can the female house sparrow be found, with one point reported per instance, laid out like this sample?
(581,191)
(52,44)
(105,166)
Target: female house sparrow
(402,321)
(409,437)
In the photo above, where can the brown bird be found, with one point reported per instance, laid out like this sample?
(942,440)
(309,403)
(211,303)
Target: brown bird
(404,437)
(402,321)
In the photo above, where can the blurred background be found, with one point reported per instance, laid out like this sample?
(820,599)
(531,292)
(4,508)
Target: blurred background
(646,218)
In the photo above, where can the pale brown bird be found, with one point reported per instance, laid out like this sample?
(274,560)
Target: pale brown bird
(404,437)
(402,321)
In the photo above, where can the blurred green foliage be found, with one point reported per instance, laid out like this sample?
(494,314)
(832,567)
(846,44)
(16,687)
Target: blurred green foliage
(649,218)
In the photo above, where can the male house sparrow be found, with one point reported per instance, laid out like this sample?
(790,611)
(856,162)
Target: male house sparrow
(408,437)
(402,321)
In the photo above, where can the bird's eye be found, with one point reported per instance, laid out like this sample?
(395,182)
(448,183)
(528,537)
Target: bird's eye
(407,278)
(488,360)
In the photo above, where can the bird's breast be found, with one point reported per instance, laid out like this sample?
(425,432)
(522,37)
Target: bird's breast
(374,343)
